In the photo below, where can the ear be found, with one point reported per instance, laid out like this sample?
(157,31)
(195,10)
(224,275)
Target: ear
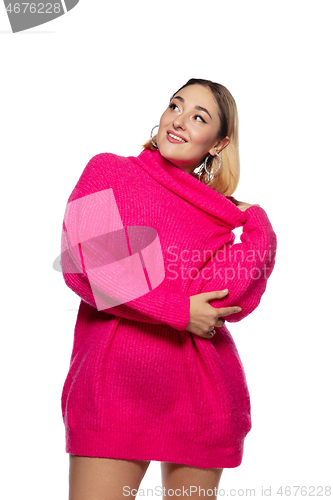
(219,145)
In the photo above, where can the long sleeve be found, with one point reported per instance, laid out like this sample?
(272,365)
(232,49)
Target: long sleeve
(98,266)
(243,268)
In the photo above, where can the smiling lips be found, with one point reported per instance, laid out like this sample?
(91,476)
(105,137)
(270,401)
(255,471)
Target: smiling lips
(175,138)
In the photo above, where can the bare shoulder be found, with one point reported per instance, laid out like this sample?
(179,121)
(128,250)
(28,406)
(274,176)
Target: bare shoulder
(242,205)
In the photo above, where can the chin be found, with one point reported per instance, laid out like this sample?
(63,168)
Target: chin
(167,154)
(171,158)
(171,155)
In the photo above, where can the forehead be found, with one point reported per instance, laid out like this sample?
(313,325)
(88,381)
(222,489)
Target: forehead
(198,95)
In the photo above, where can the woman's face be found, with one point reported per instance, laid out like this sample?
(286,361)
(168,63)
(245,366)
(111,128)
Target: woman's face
(188,128)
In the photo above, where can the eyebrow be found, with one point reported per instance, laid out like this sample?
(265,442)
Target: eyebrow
(200,108)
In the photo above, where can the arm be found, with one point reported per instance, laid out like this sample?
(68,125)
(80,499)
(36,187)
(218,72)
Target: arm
(99,271)
(245,267)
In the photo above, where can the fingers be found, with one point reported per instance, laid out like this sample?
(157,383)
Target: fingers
(216,294)
(226,311)
(215,316)
(223,311)
(211,332)
(221,322)
(206,335)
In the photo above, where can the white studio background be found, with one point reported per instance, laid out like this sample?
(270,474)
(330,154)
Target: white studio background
(96,80)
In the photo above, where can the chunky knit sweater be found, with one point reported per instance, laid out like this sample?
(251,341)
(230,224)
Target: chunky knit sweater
(140,236)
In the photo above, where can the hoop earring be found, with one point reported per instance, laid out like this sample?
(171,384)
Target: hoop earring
(205,164)
(151,137)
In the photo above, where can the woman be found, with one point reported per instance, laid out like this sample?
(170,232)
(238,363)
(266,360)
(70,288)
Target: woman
(147,244)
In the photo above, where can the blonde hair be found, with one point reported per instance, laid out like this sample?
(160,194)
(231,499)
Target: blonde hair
(225,181)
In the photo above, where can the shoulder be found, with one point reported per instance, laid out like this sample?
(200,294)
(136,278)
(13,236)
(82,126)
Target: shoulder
(106,163)
(105,158)
(99,172)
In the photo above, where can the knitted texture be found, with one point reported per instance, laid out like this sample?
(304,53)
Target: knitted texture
(140,386)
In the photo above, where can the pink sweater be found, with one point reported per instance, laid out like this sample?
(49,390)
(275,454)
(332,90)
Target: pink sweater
(140,236)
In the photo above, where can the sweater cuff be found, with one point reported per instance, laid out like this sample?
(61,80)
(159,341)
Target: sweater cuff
(257,214)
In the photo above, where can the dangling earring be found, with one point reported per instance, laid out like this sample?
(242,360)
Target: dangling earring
(151,137)
(205,164)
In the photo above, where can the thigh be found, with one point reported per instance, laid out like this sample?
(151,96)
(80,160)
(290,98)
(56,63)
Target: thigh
(92,478)
(194,482)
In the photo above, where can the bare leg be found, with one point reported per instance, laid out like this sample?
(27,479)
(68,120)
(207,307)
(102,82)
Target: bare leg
(199,483)
(92,478)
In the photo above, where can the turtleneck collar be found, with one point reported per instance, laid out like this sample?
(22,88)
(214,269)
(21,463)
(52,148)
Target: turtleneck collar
(216,205)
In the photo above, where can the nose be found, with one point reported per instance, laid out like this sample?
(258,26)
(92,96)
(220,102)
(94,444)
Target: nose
(179,122)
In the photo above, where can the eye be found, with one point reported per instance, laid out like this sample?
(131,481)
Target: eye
(201,119)
(173,106)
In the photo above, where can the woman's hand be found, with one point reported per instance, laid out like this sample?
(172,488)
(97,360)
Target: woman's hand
(203,316)
(241,205)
